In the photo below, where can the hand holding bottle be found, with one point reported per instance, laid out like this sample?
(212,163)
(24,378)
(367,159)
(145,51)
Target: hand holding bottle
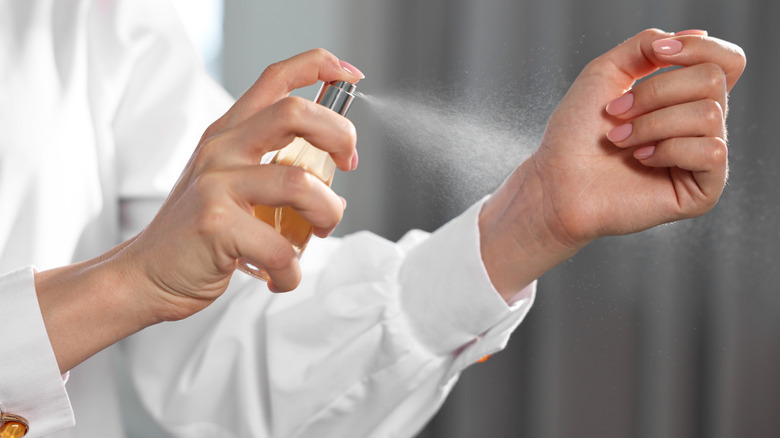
(185,258)
(216,194)
(616,159)
(286,220)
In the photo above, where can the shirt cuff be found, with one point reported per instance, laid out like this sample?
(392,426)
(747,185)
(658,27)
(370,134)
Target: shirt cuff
(30,384)
(448,296)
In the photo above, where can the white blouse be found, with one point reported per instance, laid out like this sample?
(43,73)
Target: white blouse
(102,103)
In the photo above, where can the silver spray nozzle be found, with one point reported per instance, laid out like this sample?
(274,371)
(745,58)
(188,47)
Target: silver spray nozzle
(337,96)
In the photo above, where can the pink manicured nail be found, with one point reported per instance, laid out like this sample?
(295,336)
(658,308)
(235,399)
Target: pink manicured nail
(667,46)
(355,160)
(620,133)
(644,153)
(351,69)
(692,32)
(621,105)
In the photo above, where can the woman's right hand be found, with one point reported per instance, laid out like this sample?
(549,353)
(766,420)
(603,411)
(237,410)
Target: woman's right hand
(184,259)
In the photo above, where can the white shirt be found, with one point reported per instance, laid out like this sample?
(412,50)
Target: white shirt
(104,101)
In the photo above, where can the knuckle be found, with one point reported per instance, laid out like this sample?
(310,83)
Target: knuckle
(208,187)
(296,182)
(349,130)
(274,70)
(712,114)
(719,153)
(212,220)
(322,54)
(208,150)
(346,140)
(291,108)
(329,215)
(741,59)
(332,220)
(213,214)
(650,34)
(279,256)
(714,77)
(213,129)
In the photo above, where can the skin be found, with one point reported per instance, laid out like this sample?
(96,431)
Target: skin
(585,181)
(577,187)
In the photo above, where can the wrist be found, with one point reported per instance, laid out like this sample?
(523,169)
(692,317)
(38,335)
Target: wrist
(519,242)
(88,306)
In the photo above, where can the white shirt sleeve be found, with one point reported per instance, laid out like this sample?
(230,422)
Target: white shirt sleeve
(30,381)
(369,345)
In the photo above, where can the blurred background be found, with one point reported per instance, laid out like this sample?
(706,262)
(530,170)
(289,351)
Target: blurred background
(674,332)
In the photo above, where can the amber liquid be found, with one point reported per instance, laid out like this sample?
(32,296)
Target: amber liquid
(289,223)
(286,220)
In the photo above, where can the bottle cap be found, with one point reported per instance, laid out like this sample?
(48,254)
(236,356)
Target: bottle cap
(337,96)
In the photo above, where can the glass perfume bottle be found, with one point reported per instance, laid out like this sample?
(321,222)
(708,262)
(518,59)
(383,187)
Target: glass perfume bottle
(337,96)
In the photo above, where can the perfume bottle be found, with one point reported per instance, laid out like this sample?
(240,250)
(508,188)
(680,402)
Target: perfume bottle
(337,96)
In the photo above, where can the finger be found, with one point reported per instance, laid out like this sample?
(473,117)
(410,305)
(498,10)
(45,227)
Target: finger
(317,203)
(692,32)
(706,157)
(261,245)
(277,126)
(281,78)
(654,49)
(278,186)
(698,82)
(296,117)
(703,118)
(629,61)
(686,50)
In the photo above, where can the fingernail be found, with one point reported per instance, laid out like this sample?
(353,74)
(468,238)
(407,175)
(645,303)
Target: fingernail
(692,32)
(355,160)
(351,69)
(667,46)
(344,202)
(620,133)
(644,153)
(621,105)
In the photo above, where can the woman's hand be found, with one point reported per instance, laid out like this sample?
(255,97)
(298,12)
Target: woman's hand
(184,259)
(186,256)
(618,157)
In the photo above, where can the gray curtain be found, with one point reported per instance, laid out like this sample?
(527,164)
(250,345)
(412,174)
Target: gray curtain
(674,332)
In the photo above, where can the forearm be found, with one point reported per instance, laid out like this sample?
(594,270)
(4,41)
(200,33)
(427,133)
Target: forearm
(88,306)
(516,241)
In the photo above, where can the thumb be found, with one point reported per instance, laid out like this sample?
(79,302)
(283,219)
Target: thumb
(633,59)
(281,78)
